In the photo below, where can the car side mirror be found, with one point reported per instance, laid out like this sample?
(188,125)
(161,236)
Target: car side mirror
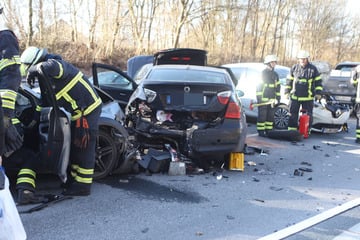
(239,93)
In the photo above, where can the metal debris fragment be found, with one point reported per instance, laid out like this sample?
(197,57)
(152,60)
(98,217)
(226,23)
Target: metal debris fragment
(298,173)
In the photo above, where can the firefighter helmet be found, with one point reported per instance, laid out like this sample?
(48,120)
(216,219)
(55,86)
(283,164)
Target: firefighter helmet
(303,54)
(270,58)
(32,56)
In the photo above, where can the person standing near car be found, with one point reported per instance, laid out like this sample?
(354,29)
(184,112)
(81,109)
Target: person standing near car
(268,91)
(302,85)
(355,81)
(10,79)
(76,95)
(13,151)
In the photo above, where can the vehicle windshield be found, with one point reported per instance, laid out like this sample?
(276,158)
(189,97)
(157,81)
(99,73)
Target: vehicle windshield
(187,75)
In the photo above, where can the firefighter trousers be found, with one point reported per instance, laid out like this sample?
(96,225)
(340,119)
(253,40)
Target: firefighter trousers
(28,162)
(294,111)
(265,119)
(82,160)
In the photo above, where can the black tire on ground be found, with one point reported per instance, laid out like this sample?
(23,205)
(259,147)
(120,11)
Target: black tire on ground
(281,117)
(106,154)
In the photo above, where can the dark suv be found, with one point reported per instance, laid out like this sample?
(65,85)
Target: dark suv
(339,83)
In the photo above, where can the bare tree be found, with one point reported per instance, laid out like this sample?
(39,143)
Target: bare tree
(74,12)
(229,29)
(41,21)
(31,31)
(93,19)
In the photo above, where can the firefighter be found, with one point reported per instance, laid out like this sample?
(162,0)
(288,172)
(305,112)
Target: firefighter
(268,91)
(10,79)
(302,85)
(355,81)
(75,94)
(28,161)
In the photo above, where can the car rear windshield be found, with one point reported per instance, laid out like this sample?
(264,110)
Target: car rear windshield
(187,76)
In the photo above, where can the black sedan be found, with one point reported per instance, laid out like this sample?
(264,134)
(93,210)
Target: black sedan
(195,109)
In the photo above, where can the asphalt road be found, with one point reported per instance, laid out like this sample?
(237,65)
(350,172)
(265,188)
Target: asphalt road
(221,204)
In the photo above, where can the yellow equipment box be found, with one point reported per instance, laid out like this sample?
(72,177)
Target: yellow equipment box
(236,161)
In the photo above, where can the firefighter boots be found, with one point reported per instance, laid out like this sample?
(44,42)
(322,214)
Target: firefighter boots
(28,197)
(78,189)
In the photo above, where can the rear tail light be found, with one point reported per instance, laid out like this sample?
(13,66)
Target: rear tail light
(224,97)
(180,59)
(233,111)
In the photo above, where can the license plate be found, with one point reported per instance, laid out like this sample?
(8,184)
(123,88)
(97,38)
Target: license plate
(194,99)
(331,130)
(343,98)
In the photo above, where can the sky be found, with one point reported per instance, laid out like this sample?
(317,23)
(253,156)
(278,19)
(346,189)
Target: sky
(353,6)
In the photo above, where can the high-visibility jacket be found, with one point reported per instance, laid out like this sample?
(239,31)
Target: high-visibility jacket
(303,83)
(269,88)
(73,91)
(10,77)
(355,79)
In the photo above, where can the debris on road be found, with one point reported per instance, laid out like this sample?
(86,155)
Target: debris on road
(306,163)
(255,179)
(317,147)
(298,173)
(51,199)
(251,163)
(276,188)
(306,169)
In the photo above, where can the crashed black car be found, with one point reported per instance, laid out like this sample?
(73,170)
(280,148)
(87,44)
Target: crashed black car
(180,102)
(193,108)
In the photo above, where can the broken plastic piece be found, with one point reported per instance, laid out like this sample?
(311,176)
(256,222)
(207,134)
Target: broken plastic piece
(298,173)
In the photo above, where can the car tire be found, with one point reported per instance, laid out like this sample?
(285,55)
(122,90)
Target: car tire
(281,117)
(106,154)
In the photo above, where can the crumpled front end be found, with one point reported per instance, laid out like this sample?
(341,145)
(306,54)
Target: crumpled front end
(192,133)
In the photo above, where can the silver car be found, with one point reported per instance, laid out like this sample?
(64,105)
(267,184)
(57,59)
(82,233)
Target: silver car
(249,75)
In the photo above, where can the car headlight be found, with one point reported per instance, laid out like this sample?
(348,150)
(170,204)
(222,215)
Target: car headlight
(150,95)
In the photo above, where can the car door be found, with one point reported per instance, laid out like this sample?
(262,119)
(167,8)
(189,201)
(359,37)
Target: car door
(114,82)
(54,130)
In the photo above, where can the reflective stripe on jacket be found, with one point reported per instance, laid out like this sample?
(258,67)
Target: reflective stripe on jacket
(303,82)
(73,91)
(269,88)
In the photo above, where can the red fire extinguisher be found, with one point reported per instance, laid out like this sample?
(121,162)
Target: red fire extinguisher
(304,122)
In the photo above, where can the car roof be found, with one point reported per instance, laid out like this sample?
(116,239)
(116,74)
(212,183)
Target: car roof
(136,62)
(252,65)
(346,64)
(194,67)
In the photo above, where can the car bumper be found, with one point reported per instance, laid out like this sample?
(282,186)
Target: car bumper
(194,142)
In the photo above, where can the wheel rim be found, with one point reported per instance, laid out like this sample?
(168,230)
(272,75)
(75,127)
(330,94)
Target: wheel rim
(281,118)
(106,153)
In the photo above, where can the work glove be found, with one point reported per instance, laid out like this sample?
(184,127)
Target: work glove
(274,103)
(287,96)
(31,76)
(317,97)
(82,133)
(13,140)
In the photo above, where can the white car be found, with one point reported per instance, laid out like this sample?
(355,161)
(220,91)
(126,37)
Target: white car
(249,75)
